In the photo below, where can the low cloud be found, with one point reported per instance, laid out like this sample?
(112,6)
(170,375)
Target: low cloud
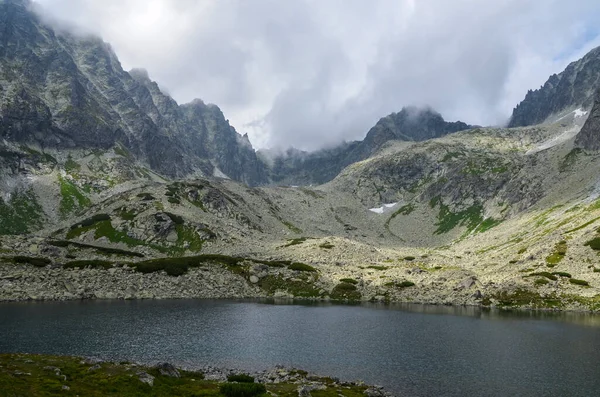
(312,73)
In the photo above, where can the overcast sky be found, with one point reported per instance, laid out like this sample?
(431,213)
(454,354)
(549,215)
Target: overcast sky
(312,73)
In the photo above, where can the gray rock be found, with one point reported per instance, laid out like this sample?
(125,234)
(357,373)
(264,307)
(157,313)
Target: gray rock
(167,369)
(146,378)
(254,279)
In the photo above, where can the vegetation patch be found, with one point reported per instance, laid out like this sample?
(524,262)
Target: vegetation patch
(296,241)
(570,159)
(71,198)
(301,267)
(31,260)
(22,213)
(594,243)
(348,280)
(240,378)
(560,250)
(242,389)
(487,224)
(400,284)
(582,283)
(345,291)
(541,281)
(524,298)
(299,287)
(447,220)
(378,267)
(291,227)
(583,225)
(409,258)
(326,245)
(548,275)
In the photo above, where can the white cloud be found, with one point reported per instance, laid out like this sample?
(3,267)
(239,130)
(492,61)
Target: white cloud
(310,73)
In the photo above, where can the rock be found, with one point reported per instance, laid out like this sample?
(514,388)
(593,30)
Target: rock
(167,369)
(94,367)
(304,391)
(65,387)
(467,283)
(146,378)
(254,279)
(478,294)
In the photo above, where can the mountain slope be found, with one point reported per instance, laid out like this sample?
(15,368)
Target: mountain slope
(573,88)
(410,124)
(58,90)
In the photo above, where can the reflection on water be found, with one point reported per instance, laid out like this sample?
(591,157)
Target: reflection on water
(416,350)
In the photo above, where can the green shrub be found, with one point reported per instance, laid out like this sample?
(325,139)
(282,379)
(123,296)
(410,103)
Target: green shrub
(376,267)
(548,275)
(173,200)
(326,245)
(242,389)
(32,260)
(91,221)
(409,258)
(348,280)
(562,274)
(301,267)
(240,378)
(594,244)
(345,291)
(579,282)
(541,281)
(296,241)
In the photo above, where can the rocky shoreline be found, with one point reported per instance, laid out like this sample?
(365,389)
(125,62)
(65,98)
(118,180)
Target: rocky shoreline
(74,374)
(21,283)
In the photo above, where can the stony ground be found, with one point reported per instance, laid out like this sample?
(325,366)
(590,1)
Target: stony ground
(38,375)
(491,217)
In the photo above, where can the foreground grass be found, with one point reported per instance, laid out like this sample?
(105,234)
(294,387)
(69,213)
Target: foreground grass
(41,375)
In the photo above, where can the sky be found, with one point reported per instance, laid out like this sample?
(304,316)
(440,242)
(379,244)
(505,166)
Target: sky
(313,73)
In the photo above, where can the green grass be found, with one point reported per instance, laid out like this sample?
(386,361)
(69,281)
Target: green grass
(242,389)
(560,250)
(122,380)
(486,225)
(71,165)
(72,199)
(241,378)
(570,159)
(345,291)
(548,275)
(22,213)
(582,226)
(291,227)
(541,281)
(470,217)
(524,298)
(409,258)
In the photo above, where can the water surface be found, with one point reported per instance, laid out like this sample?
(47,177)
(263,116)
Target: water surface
(410,349)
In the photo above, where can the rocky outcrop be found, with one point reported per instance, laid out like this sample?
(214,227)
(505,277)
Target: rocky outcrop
(572,88)
(589,136)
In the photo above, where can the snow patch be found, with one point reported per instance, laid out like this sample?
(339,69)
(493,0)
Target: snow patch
(383,208)
(547,144)
(579,112)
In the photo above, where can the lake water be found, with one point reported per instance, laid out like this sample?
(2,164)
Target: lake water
(410,349)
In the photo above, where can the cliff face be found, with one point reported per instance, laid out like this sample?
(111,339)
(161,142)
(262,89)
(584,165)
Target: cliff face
(62,91)
(572,88)
(589,136)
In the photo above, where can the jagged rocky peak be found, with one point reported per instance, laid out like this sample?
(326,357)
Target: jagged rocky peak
(571,89)
(65,90)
